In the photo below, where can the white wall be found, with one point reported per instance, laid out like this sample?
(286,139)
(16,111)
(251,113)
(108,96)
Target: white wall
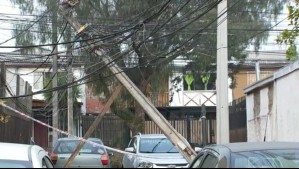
(288,107)
(283,115)
(257,121)
(32,81)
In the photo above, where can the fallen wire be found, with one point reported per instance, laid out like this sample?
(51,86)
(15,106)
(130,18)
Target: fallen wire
(79,138)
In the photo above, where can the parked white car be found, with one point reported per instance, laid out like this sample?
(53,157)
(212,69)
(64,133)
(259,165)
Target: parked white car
(23,156)
(153,151)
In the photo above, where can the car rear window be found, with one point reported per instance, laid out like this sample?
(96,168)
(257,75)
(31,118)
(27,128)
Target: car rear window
(266,159)
(69,146)
(15,164)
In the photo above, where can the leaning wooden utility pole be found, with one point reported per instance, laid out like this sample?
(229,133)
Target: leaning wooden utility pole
(176,138)
(94,125)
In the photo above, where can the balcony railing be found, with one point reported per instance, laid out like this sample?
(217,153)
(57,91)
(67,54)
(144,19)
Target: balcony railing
(184,98)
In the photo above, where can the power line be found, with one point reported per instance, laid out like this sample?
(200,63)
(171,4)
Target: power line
(20,33)
(196,34)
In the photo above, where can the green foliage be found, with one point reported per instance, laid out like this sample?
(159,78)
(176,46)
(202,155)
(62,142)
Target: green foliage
(62,94)
(289,37)
(205,77)
(292,52)
(189,79)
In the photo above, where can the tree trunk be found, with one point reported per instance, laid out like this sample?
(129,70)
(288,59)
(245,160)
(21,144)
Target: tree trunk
(139,121)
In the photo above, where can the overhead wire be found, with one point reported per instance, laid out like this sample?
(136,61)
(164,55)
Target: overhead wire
(147,18)
(48,91)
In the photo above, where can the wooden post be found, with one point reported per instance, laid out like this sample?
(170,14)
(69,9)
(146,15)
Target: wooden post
(94,125)
(2,83)
(2,79)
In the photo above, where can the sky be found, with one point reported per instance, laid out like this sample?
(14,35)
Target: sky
(7,8)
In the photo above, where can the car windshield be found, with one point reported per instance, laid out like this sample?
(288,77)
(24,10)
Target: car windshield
(156,145)
(69,146)
(266,159)
(15,164)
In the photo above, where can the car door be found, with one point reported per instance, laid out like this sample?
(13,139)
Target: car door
(46,163)
(210,161)
(128,160)
(196,163)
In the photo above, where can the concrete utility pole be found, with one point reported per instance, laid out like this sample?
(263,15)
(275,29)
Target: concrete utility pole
(70,100)
(176,138)
(222,76)
(55,110)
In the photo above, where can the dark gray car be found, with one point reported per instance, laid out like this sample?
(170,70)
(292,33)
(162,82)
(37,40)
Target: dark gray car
(249,155)
(90,156)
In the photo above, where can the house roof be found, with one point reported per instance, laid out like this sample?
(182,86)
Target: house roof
(277,75)
(17,59)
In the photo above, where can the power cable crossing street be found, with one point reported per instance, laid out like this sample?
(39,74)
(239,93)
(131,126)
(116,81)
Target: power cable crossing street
(176,138)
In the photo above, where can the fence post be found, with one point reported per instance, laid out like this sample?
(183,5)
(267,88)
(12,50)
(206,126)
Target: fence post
(2,80)
(204,126)
(2,83)
(188,129)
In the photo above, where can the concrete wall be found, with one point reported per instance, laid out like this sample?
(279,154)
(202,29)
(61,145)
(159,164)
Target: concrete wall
(273,107)
(257,114)
(288,107)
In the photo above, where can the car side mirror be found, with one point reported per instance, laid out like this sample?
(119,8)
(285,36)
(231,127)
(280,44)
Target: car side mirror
(110,154)
(130,150)
(32,142)
(197,149)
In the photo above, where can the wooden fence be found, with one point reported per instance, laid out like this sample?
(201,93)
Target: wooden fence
(191,129)
(112,130)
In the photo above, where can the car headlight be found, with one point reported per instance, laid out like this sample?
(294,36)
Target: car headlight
(145,164)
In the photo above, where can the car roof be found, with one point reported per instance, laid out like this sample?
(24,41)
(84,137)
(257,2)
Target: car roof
(152,136)
(14,151)
(75,139)
(256,146)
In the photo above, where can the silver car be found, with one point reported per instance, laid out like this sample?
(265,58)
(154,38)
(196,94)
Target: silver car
(152,151)
(249,155)
(90,156)
(23,156)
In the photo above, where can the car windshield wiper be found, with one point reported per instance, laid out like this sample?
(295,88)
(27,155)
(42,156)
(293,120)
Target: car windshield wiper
(169,151)
(146,152)
(156,146)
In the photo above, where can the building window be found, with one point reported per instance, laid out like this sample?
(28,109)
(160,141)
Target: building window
(38,81)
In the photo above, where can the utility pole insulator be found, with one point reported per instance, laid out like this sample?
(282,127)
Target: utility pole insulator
(83,28)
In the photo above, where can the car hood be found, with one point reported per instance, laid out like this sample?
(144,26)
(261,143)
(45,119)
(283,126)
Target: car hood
(163,158)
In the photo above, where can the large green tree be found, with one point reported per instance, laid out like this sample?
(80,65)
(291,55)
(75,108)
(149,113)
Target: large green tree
(63,98)
(144,36)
